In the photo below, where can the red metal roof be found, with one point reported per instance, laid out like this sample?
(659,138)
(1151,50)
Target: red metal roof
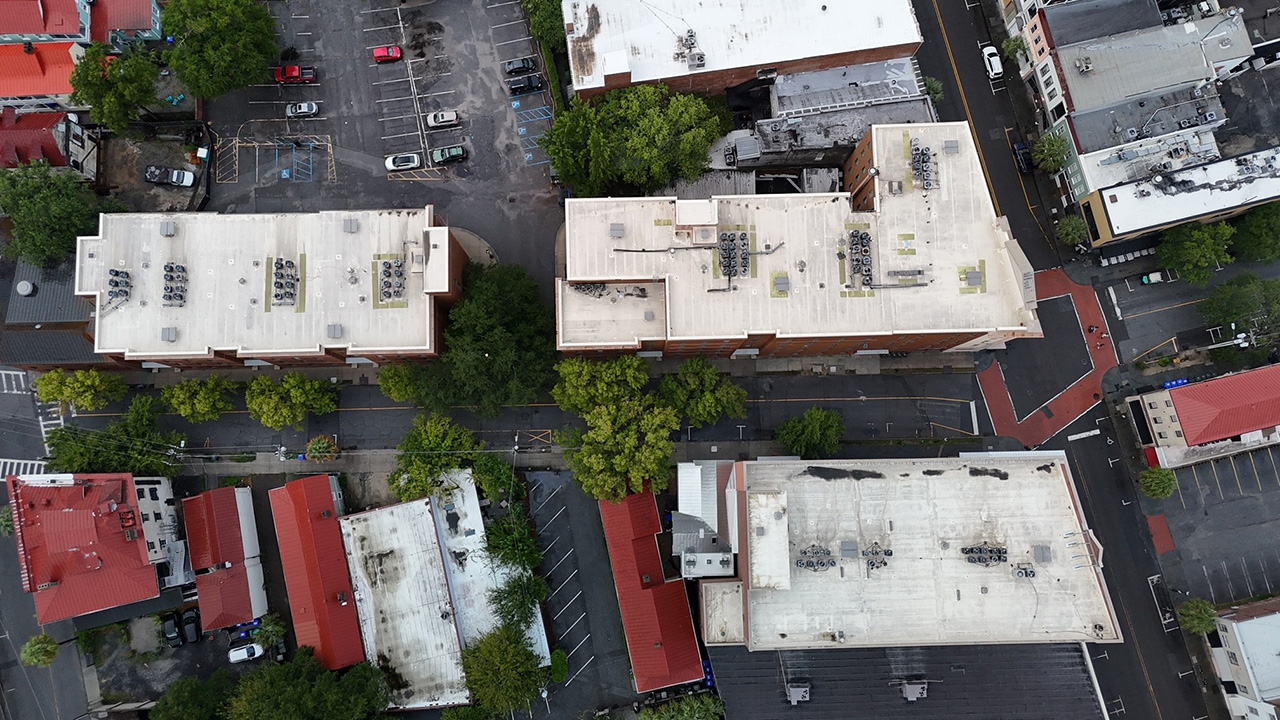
(108,15)
(655,613)
(39,17)
(29,137)
(1228,406)
(214,538)
(224,597)
(81,545)
(44,71)
(315,571)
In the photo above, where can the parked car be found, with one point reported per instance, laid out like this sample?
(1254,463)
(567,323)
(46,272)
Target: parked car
(991,59)
(389,53)
(172,634)
(169,176)
(452,153)
(1152,278)
(244,653)
(295,74)
(404,161)
(301,110)
(519,66)
(1022,156)
(444,119)
(191,625)
(526,84)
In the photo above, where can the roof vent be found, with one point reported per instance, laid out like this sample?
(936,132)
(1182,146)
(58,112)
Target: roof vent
(26,288)
(335,331)
(169,334)
(648,316)
(1084,64)
(168,228)
(617,230)
(798,693)
(1131,133)
(350,225)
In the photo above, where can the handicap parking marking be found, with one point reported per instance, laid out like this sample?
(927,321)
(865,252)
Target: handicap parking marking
(533,114)
(515,104)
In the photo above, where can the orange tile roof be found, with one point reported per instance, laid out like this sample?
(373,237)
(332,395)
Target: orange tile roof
(29,138)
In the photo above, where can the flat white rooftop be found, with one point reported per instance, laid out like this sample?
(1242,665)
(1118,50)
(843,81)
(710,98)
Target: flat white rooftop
(648,39)
(1193,192)
(1117,165)
(915,516)
(652,268)
(227,295)
(407,619)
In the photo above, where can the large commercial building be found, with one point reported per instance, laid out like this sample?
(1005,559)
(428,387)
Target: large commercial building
(912,258)
(709,46)
(327,288)
(1246,656)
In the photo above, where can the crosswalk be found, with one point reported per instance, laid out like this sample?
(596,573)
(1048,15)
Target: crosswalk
(20,467)
(50,417)
(14,382)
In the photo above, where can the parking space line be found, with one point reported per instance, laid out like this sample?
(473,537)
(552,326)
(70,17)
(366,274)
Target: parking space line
(442,92)
(1274,470)
(388,82)
(397,117)
(1178,484)
(553,517)
(553,544)
(504,4)
(513,22)
(1217,479)
(1199,490)
(1248,582)
(1231,588)
(566,580)
(584,667)
(389,137)
(566,607)
(544,502)
(1212,595)
(301,34)
(407,97)
(575,647)
(385,27)
(574,625)
(1239,487)
(1267,580)
(513,41)
(553,569)
(1256,476)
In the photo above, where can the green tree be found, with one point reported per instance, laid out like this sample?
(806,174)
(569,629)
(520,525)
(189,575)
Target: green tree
(131,445)
(1246,301)
(692,707)
(200,401)
(1049,153)
(1199,616)
(511,540)
(1072,230)
(933,88)
(39,651)
(817,433)
(546,22)
(322,448)
(433,446)
(559,665)
(1257,236)
(270,632)
(114,86)
(500,345)
(626,447)
(587,384)
(190,698)
(302,689)
(699,392)
(429,386)
(1195,250)
(219,45)
(516,601)
(502,671)
(48,210)
(1158,482)
(466,712)
(1014,47)
(288,401)
(6,521)
(80,390)
(495,477)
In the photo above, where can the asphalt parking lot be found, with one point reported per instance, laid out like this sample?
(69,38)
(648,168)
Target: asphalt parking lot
(582,606)
(1224,519)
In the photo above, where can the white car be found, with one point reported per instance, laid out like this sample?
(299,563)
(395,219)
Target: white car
(991,58)
(405,161)
(301,110)
(245,653)
(444,119)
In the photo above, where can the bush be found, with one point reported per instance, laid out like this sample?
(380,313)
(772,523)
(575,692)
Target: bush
(1198,615)
(39,651)
(322,448)
(559,665)
(933,88)
(815,434)
(1158,482)
(6,521)
(1072,230)
(270,632)
(553,79)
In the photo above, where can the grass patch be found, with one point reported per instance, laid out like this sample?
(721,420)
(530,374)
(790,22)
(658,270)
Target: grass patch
(233,481)
(243,457)
(553,79)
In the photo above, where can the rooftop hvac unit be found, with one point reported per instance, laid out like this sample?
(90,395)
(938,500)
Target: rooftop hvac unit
(697,60)
(1211,116)
(1131,133)
(335,331)
(169,334)
(350,225)
(168,228)
(617,230)
(797,693)
(1084,64)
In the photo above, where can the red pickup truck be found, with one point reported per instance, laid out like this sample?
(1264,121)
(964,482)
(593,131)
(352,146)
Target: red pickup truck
(295,74)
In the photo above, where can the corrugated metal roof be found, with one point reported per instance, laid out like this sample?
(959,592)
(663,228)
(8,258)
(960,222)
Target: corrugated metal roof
(315,571)
(45,71)
(1228,406)
(54,298)
(111,15)
(39,17)
(224,597)
(213,528)
(45,347)
(655,613)
(81,545)
(228,595)
(1073,22)
(29,138)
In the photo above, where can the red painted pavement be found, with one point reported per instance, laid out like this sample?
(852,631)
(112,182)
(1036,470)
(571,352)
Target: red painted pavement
(1075,400)
(1160,534)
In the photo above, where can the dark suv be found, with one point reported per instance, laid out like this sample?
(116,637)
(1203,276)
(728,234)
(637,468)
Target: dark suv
(519,66)
(524,85)
(172,631)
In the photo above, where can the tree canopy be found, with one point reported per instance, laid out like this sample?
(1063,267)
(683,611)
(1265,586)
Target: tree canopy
(817,433)
(500,342)
(433,446)
(1072,230)
(302,689)
(699,392)
(6,520)
(1049,153)
(1257,237)
(132,445)
(81,390)
(200,401)
(114,86)
(495,476)
(1195,250)
(692,707)
(39,651)
(587,384)
(516,601)
(48,210)
(190,698)
(288,401)
(1245,301)
(1014,47)
(1198,615)
(546,22)
(1158,482)
(642,136)
(219,45)
(627,446)
(511,540)
(502,671)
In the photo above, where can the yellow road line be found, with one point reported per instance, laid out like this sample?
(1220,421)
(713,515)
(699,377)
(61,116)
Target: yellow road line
(948,427)
(1239,487)
(1217,479)
(1162,309)
(1142,355)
